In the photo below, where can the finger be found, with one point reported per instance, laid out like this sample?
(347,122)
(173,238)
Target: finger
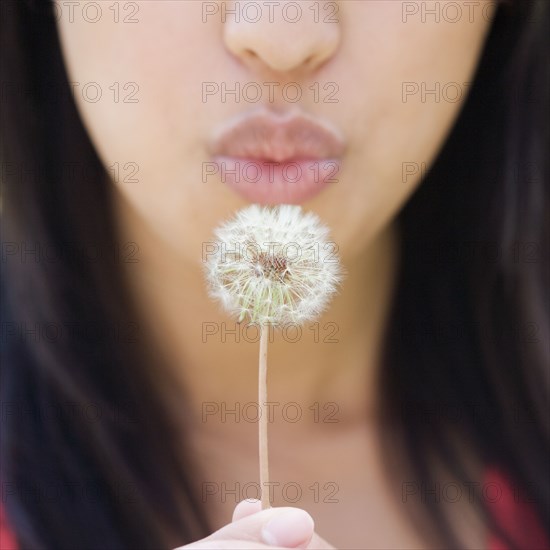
(317,543)
(252,506)
(228,545)
(280,527)
(246,508)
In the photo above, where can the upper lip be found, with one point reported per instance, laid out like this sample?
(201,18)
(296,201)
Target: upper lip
(277,138)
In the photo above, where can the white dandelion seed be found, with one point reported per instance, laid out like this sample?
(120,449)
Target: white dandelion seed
(273,266)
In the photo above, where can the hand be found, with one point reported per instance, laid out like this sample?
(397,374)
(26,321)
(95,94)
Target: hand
(254,529)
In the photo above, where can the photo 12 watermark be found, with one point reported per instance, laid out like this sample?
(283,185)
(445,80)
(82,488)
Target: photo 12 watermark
(24,252)
(85,412)
(72,11)
(446,11)
(89,92)
(289,492)
(256,11)
(289,412)
(434,92)
(452,492)
(55,492)
(477,413)
(284,252)
(63,332)
(267,172)
(291,333)
(269,92)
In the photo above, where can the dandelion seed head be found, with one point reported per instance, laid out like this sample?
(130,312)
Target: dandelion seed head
(273,265)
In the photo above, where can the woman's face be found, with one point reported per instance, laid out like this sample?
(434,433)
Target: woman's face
(357,97)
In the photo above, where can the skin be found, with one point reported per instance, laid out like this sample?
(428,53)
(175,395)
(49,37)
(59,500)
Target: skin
(371,50)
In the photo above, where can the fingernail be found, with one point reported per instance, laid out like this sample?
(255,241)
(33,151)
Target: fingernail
(291,529)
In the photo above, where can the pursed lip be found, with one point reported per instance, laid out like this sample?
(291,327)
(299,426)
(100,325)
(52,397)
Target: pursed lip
(291,157)
(276,138)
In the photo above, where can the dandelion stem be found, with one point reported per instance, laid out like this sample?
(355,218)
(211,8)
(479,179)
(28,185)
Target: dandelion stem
(262,404)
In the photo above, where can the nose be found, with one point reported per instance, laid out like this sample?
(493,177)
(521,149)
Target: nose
(282,36)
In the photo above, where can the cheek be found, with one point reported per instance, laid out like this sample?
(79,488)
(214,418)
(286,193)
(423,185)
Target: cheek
(150,122)
(149,74)
(403,84)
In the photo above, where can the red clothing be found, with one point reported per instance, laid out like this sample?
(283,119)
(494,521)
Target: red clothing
(7,540)
(514,514)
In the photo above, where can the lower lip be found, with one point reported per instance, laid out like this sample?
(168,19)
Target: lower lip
(268,182)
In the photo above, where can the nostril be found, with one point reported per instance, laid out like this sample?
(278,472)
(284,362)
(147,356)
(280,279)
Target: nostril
(261,48)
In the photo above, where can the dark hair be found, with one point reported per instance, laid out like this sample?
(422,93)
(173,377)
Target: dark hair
(79,411)
(467,349)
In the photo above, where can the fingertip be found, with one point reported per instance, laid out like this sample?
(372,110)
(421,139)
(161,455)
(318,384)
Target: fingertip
(291,528)
(246,508)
